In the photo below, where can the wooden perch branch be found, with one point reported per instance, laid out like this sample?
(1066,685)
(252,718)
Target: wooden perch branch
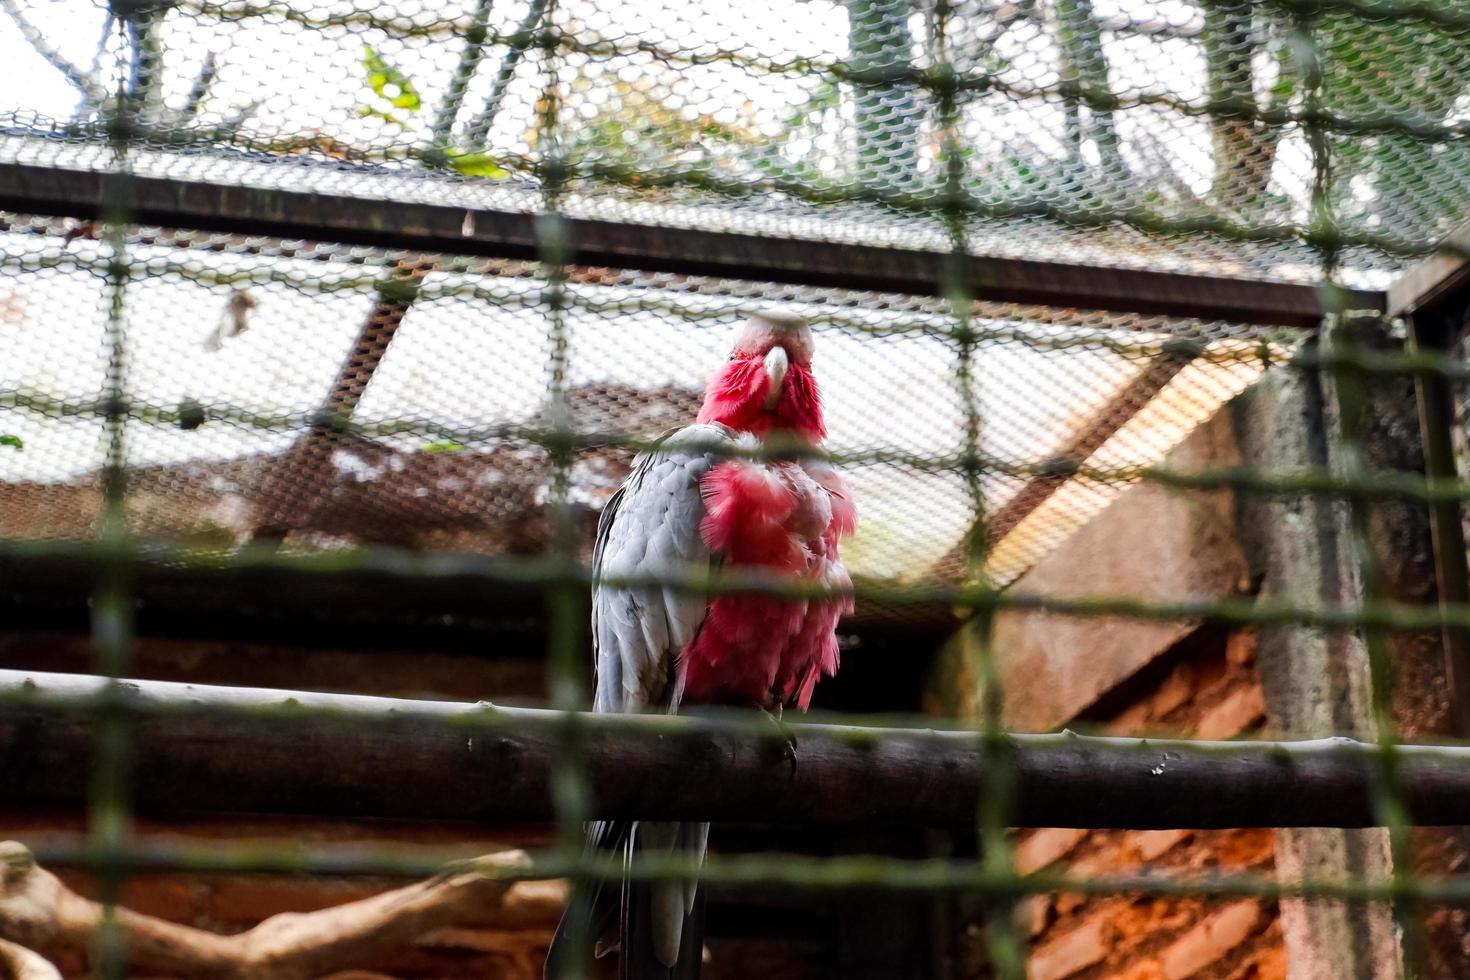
(228,749)
(38,910)
(19,963)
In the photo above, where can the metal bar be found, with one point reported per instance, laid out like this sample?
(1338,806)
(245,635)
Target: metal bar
(200,748)
(1124,404)
(509,234)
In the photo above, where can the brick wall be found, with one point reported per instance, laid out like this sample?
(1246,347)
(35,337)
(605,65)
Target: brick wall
(1205,687)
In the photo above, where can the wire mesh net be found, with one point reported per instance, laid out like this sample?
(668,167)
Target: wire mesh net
(239,346)
(185,385)
(1087,125)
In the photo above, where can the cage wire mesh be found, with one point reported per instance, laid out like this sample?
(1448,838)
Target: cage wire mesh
(234,342)
(207,391)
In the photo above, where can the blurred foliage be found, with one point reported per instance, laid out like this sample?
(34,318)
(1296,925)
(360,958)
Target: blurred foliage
(388,82)
(637,129)
(476,165)
(390,85)
(1106,143)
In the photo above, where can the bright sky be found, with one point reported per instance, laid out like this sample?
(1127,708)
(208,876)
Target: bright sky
(480,360)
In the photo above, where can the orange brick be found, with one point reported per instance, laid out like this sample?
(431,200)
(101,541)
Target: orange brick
(1068,902)
(1146,970)
(1153,844)
(1043,847)
(1210,940)
(1240,648)
(1271,965)
(1033,914)
(1177,688)
(1131,721)
(1239,711)
(1094,865)
(1111,856)
(1070,953)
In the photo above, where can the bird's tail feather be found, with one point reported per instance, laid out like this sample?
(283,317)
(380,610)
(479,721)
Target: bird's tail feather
(592,909)
(660,924)
(661,931)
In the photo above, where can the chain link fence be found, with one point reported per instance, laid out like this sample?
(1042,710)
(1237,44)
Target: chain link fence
(535,227)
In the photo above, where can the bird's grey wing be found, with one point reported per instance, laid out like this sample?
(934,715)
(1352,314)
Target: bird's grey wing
(650,529)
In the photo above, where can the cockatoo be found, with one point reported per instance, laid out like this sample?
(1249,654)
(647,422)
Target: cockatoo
(689,505)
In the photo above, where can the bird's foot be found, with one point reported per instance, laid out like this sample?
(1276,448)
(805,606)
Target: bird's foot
(788,739)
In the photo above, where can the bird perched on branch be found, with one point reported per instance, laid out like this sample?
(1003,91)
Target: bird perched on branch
(697,501)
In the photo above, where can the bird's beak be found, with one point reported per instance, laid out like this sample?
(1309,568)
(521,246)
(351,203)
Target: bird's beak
(776,365)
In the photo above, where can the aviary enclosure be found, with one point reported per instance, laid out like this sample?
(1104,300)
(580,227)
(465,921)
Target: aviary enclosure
(330,327)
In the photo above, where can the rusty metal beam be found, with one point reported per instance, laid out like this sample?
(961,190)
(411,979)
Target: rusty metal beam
(1113,415)
(304,472)
(514,234)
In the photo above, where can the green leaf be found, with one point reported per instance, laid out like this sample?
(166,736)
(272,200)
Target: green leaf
(476,165)
(444,447)
(368,112)
(13,442)
(388,82)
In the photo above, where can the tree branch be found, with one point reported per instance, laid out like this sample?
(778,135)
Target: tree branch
(37,909)
(84,83)
(518,43)
(19,963)
(469,62)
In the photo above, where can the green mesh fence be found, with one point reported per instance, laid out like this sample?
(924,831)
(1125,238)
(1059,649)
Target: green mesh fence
(186,386)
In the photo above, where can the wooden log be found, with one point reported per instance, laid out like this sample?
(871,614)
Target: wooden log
(19,963)
(248,750)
